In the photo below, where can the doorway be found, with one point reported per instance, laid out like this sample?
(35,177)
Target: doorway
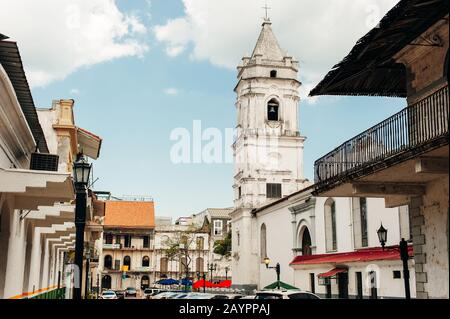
(106,282)
(343,285)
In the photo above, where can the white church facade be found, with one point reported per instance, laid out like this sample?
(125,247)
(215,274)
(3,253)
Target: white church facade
(325,245)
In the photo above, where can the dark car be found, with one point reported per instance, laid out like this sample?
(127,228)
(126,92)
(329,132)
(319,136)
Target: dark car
(120,294)
(130,292)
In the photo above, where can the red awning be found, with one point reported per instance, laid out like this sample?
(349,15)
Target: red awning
(362,255)
(332,272)
(202,283)
(224,284)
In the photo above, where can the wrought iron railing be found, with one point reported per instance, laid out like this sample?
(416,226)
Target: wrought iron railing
(413,128)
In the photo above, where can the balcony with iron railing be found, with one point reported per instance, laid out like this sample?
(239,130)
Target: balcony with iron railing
(417,129)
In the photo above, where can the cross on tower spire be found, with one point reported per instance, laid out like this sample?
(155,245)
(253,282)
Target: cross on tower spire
(266,8)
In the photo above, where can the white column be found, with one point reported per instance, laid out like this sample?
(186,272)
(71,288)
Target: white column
(46,265)
(35,263)
(16,256)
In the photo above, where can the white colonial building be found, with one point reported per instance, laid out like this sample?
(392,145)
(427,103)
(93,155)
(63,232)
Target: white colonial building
(325,245)
(37,149)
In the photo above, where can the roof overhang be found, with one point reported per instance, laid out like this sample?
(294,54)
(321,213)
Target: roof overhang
(88,143)
(373,254)
(11,61)
(370,67)
(36,188)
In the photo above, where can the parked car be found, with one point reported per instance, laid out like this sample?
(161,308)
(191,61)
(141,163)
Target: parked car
(249,297)
(165,295)
(227,296)
(120,294)
(201,296)
(285,294)
(149,292)
(108,294)
(130,292)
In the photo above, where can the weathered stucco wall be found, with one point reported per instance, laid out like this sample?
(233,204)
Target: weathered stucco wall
(435,213)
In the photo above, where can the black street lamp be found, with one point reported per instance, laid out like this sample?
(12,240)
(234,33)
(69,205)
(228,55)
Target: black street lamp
(226,272)
(404,256)
(211,268)
(382,235)
(81,172)
(277,269)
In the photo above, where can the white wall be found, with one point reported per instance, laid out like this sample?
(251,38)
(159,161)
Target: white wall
(279,246)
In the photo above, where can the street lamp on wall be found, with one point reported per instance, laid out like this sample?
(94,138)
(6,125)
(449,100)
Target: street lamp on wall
(404,256)
(81,173)
(277,269)
(382,235)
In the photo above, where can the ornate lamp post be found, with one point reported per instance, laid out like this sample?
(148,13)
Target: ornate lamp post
(226,272)
(277,269)
(211,268)
(382,236)
(81,172)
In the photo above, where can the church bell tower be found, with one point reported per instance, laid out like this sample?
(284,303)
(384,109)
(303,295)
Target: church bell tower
(268,151)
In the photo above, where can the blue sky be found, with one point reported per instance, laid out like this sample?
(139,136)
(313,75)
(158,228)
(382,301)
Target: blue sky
(124,101)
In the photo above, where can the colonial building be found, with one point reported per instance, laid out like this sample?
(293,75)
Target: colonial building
(181,251)
(329,246)
(128,244)
(36,189)
(218,222)
(403,159)
(268,151)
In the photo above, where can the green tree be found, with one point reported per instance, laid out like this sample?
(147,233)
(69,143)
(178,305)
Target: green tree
(223,246)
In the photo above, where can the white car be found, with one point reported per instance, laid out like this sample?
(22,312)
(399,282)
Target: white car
(285,294)
(108,294)
(166,295)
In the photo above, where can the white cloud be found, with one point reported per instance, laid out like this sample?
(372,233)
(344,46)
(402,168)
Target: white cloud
(176,33)
(74,91)
(317,32)
(58,37)
(171,91)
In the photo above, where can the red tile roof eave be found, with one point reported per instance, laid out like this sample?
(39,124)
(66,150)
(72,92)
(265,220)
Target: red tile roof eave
(364,255)
(127,227)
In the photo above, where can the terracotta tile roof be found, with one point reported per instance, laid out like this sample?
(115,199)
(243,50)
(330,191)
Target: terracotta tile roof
(129,214)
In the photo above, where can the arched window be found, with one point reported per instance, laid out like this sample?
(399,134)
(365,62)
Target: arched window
(199,265)
(127,262)
(272,110)
(330,225)
(306,242)
(263,242)
(273,73)
(145,261)
(106,282)
(107,262)
(163,265)
(200,243)
(360,222)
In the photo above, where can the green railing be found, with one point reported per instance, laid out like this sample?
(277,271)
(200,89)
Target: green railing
(52,294)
